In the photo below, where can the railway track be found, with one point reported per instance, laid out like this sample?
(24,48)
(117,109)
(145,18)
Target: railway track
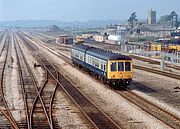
(38,100)
(3,45)
(152,109)
(155,62)
(97,118)
(8,119)
(167,74)
(25,83)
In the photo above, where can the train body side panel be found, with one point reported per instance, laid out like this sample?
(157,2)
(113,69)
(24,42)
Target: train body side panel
(96,70)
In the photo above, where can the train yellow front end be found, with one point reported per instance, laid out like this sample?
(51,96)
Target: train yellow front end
(120,71)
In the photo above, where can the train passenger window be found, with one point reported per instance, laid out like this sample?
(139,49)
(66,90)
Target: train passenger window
(81,57)
(113,66)
(127,66)
(104,67)
(87,58)
(96,63)
(90,60)
(76,55)
(120,66)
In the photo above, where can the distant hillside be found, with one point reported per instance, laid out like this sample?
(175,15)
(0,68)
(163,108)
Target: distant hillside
(47,23)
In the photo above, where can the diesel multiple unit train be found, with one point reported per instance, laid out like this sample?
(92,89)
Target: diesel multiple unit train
(111,68)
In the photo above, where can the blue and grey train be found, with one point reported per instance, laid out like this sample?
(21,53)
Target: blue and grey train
(111,68)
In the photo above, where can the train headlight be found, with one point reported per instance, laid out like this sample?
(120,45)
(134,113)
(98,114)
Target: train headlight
(121,75)
(113,76)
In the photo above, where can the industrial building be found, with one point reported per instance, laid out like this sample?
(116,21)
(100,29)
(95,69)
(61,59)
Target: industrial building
(154,30)
(151,16)
(64,39)
(100,38)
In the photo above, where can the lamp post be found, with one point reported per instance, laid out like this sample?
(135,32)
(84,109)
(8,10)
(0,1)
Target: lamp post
(177,57)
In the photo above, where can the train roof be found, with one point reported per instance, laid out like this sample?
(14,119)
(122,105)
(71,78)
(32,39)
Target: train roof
(100,53)
(106,55)
(80,47)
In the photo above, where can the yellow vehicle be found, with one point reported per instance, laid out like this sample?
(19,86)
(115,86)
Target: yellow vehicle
(174,47)
(80,39)
(155,47)
(178,47)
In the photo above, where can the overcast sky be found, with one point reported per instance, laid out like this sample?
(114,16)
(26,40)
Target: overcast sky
(83,10)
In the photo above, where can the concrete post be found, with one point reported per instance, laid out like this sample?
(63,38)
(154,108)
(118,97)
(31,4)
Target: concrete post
(162,65)
(162,62)
(177,57)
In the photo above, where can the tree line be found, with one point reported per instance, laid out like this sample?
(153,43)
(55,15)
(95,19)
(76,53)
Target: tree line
(172,18)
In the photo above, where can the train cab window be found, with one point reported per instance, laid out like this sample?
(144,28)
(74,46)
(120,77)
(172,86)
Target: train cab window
(113,66)
(120,66)
(127,66)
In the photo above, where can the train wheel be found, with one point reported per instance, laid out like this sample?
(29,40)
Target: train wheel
(101,79)
(104,81)
(111,84)
(84,68)
(124,85)
(96,76)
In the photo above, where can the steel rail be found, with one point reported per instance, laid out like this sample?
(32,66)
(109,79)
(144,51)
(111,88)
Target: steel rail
(159,113)
(22,86)
(10,118)
(38,93)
